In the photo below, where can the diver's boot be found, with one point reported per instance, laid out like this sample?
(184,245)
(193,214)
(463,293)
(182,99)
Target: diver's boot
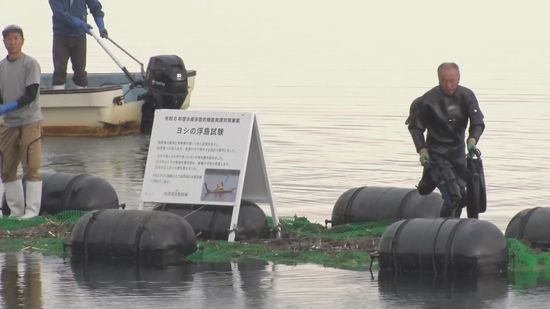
(446,210)
(472,213)
(457,211)
(33,199)
(15,198)
(450,210)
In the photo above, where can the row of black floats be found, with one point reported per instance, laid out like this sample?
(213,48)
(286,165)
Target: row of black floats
(419,240)
(165,235)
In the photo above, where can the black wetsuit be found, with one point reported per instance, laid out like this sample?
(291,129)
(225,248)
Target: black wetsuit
(446,119)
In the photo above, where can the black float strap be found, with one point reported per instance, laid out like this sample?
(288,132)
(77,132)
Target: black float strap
(394,243)
(524,220)
(449,244)
(139,232)
(402,203)
(93,218)
(68,190)
(434,264)
(350,203)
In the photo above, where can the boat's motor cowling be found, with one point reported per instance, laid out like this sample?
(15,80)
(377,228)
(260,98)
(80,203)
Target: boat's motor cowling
(167,87)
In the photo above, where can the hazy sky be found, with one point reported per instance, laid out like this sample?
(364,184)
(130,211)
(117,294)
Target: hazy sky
(254,36)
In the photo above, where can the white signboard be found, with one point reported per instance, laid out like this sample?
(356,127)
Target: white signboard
(213,158)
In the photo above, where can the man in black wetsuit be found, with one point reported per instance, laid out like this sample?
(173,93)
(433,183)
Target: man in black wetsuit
(444,111)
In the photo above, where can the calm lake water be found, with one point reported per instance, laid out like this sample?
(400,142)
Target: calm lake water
(331,84)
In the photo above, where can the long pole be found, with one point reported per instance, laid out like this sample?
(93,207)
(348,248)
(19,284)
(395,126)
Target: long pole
(127,53)
(122,67)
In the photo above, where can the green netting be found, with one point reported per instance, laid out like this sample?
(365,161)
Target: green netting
(222,252)
(11,223)
(43,233)
(47,246)
(302,227)
(303,242)
(358,230)
(69,216)
(524,258)
(527,266)
(65,217)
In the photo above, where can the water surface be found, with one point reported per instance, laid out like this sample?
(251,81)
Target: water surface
(331,83)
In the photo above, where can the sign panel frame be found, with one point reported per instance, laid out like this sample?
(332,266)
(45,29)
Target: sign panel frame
(206,157)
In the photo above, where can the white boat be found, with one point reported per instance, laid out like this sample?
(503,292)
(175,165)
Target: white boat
(109,106)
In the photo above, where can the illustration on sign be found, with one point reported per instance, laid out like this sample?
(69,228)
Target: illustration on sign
(220,185)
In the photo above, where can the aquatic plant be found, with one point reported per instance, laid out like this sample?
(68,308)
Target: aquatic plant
(343,246)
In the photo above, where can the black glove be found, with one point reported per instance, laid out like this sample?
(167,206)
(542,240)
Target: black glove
(471,145)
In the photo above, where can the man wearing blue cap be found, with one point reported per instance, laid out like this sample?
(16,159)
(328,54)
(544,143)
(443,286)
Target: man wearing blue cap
(69,38)
(21,130)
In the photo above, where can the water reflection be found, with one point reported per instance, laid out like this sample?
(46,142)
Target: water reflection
(35,281)
(125,278)
(21,285)
(25,283)
(236,285)
(530,279)
(119,160)
(428,291)
(231,285)
(257,282)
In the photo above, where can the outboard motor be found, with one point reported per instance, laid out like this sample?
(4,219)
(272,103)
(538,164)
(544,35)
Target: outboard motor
(166,83)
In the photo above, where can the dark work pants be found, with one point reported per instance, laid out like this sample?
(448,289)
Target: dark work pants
(75,49)
(450,178)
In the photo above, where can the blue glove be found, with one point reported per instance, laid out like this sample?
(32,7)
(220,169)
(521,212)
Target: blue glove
(8,107)
(79,23)
(101,26)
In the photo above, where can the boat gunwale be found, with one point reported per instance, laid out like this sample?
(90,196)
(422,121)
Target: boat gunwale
(47,91)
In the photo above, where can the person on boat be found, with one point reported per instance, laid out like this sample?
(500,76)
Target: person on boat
(69,38)
(219,187)
(21,131)
(444,112)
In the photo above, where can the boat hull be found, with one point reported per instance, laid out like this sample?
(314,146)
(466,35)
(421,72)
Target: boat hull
(108,107)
